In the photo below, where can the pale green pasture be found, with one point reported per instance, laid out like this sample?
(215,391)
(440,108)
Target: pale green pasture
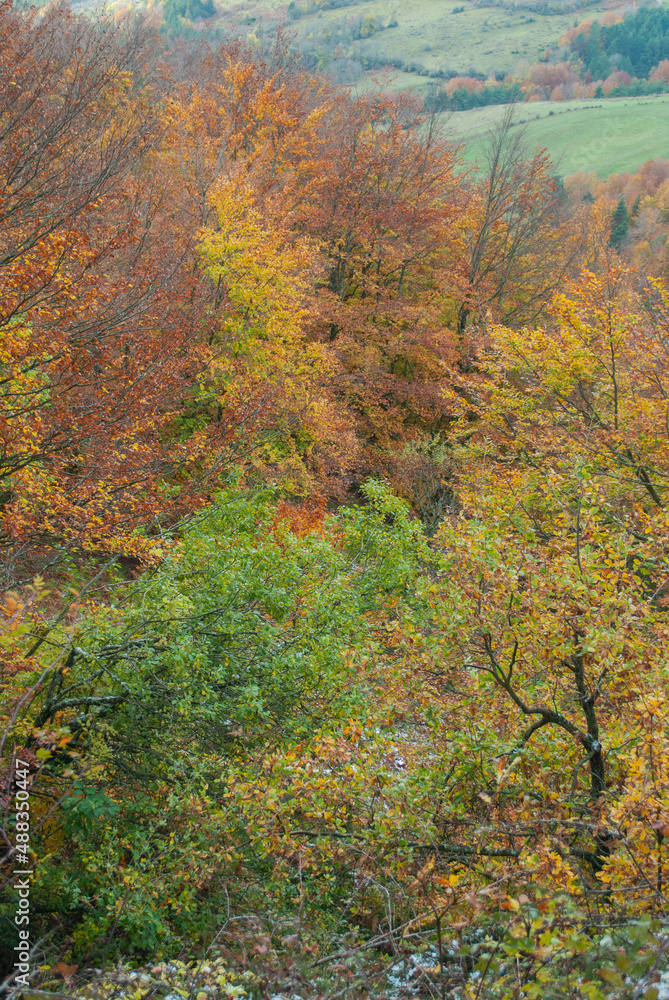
(607,137)
(429,34)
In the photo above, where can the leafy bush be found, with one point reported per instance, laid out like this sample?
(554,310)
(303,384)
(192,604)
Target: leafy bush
(242,640)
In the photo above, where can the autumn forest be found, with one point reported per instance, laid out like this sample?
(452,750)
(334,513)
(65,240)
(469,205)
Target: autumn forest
(334,515)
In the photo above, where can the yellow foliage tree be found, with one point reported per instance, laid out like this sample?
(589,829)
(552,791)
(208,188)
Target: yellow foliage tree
(263,274)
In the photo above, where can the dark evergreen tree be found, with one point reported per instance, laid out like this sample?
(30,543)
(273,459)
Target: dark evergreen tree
(638,44)
(192,10)
(620,224)
(559,187)
(636,206)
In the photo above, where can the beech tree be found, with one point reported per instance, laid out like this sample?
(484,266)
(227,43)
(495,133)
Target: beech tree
(100,298)
(515,244)
(382,213)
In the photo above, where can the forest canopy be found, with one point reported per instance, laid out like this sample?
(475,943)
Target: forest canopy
(636,45)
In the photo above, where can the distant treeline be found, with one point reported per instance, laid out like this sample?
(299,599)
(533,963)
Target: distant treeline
(545,7)
(463,99)
(638,88)
(296,10)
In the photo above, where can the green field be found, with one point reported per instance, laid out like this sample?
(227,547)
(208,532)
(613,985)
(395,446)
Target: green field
(429,34)
(607,137)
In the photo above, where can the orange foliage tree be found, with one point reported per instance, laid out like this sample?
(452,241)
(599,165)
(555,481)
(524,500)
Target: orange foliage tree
(381,215)
(100,301)
(515,243)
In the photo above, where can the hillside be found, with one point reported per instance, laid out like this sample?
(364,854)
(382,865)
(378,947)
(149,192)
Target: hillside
(426,36)
(334,526)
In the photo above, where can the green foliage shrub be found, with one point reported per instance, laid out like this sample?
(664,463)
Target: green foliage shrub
(241,641)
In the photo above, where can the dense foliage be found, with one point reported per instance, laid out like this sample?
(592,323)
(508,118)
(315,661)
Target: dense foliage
(334,524)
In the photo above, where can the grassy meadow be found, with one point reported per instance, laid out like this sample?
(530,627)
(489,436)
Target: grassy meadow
(607,137)
(430,34)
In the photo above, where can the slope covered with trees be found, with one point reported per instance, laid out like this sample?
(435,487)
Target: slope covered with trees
(636,45)
(334,525)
